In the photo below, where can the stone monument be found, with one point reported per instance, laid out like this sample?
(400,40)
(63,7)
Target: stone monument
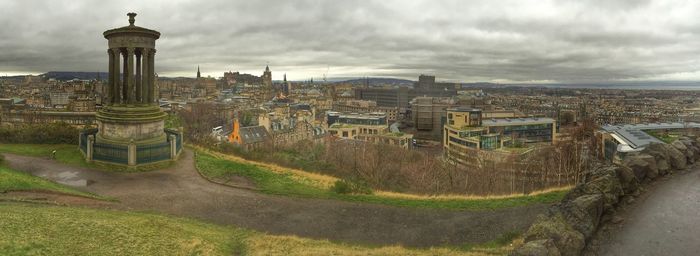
(131,112)
(130,116)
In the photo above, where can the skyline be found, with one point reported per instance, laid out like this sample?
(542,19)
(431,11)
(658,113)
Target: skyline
(513,41)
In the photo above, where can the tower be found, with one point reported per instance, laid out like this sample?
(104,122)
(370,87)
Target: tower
(199,75)
(267,77)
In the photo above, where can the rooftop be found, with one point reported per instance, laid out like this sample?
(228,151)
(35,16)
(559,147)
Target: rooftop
(632,136)
(368,116)
(516,121)
(131,30)
(464,109)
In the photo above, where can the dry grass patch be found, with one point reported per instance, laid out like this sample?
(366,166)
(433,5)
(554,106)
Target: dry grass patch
(314,179)
(322,181)
(35,229)
(290,245)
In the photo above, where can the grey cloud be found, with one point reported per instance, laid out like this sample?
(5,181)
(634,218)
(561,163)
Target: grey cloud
(564,41)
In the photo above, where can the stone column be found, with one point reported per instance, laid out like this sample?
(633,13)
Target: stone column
(130,76)
(115,77)
(90,143)
(125,78)
(151,82)
(173,146)
(132,153)
(137,82)
(110,83)
(181,132)
(146,75)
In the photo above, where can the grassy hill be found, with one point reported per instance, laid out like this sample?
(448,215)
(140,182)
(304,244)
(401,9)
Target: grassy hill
(12,180)
(36,229)
(273,179)
(44,229)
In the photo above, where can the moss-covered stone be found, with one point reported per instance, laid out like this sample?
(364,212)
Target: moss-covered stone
(565,238)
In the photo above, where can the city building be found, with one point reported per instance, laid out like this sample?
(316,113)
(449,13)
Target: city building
(429,114)
(426,82)
(249,137)
(366,106)
(60,99)
(267,77)
(467,132)
(372,127)
(401,96)
(619,140)
(82,104)
(290,124)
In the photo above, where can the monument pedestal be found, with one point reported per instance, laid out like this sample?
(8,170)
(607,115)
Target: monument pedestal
(122,124)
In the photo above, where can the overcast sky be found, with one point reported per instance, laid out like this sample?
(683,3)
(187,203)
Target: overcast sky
(491,40)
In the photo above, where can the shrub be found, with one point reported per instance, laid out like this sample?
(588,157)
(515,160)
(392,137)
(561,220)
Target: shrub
(344,186)
(51,133)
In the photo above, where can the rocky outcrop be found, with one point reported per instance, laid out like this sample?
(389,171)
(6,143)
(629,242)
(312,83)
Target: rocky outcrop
(544,247)
(567,240)
(674,157)
(642,165)
(566,227)
(584,213)
(628,179)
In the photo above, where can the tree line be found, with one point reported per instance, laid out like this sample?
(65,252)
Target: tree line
(392,168)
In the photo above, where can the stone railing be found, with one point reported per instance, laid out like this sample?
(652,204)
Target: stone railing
(567,226)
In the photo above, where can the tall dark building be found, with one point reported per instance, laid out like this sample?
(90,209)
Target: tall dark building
(267,77)
(400,97)
(286,86)
(426,82)
(199,75)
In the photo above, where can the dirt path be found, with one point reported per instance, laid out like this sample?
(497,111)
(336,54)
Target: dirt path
(179,190)
(665,221)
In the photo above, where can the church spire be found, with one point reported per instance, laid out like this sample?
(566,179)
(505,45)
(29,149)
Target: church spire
(198,74)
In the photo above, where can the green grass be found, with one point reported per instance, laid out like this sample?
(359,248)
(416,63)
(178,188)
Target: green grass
(38,229)
(11,180)
(283,184)
(267,181)
(71,155)
(68,154)
(50,230)
(665,137)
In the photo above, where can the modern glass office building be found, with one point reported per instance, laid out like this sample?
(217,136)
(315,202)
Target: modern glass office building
(466,131)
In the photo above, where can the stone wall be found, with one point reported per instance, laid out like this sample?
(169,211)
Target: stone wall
(567,226)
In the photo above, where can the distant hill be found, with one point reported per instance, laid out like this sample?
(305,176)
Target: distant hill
(69,75)
(377,81)
(480,85)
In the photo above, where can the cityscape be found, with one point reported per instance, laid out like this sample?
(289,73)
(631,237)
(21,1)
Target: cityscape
(585,143)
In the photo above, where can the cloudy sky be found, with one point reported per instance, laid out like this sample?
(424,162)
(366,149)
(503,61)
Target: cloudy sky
(464,40)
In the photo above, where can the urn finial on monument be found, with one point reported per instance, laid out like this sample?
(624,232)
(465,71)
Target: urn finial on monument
(132,16)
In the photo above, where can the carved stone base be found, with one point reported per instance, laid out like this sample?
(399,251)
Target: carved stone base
(123,124)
